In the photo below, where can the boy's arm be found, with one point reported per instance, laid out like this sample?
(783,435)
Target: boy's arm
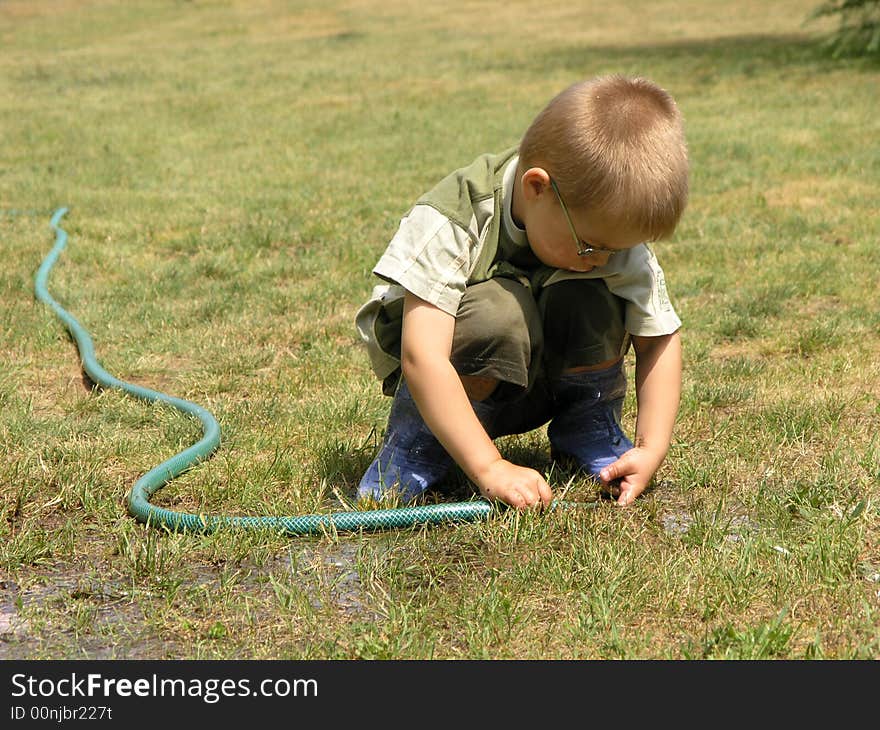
(658,390)
(438,391)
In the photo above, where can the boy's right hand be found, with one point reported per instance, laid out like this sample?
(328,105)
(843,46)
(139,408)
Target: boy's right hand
(517,486)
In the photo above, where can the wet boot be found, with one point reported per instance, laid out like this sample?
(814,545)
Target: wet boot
(585,428)
(411,459)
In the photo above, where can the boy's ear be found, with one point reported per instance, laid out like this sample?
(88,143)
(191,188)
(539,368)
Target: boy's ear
(535,182)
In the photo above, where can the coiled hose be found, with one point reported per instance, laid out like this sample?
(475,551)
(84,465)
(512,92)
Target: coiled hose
(148,484)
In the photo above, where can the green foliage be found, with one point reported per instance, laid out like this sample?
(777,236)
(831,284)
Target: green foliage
(858,32)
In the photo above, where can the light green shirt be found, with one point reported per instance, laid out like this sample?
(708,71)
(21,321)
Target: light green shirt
(462,232)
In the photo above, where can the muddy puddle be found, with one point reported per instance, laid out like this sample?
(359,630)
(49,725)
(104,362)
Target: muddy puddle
(105,619)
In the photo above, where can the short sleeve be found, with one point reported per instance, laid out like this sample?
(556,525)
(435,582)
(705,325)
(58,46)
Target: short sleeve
(635,276)
(429,256)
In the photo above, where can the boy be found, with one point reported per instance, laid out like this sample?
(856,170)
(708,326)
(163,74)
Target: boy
(514,289)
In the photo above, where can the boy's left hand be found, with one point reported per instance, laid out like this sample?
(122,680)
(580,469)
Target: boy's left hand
(633,472)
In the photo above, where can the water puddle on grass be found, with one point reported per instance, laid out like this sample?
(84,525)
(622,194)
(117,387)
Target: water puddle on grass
(736,527)
(338,564)
(107,625)
(12,625)
(326,572)
(676,523)
(67,613)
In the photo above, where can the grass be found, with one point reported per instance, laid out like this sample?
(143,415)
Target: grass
(234,169)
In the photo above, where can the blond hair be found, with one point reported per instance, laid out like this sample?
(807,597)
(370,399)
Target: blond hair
(614,144)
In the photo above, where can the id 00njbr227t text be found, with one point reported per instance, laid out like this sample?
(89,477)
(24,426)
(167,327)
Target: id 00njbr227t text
(61,713)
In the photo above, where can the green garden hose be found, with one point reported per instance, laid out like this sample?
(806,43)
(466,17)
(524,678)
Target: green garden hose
(139,496)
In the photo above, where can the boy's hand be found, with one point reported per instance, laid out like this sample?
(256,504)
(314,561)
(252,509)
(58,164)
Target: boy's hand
(517,486)
(634,471)
(658,389)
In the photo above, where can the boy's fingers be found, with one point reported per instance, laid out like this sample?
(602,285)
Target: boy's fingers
(614,470)
(545,493)
(532,496)
(615,476)
(545,499)
(626,495)
(536,491)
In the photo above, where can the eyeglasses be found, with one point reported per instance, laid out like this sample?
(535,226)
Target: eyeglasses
(583,248)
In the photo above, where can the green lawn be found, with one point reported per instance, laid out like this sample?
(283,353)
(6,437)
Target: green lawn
(234,169)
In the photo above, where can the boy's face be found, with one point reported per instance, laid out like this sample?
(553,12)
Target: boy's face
(569,238)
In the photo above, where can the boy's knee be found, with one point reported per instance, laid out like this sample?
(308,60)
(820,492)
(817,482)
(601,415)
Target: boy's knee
(498,308)
(497,332)
(584,325)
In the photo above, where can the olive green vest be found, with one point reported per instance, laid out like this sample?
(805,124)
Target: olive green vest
(472,198)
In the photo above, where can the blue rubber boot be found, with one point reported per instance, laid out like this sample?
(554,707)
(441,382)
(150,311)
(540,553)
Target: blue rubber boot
(585,427)
(411,459)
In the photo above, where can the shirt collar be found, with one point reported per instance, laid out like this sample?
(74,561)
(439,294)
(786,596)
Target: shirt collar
(513,231)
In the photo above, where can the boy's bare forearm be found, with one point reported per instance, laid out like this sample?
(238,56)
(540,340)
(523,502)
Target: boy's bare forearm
(658,391)
(438,391)
(444,406)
